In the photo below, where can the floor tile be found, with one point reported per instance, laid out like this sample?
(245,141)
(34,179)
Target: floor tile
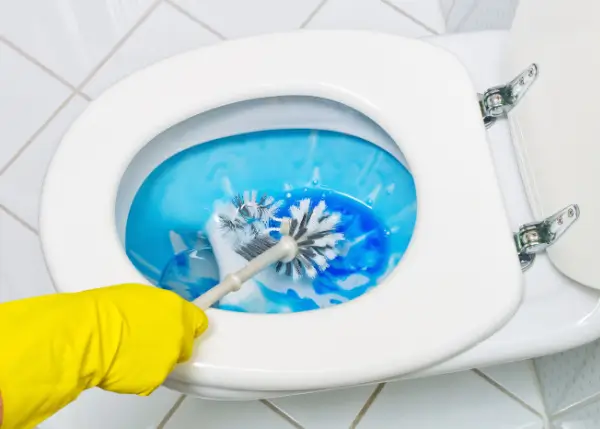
(29,97)
(334,409)
(427,12)
(21,183)
(69,36)
(98,409)
(197,413)
(587,417)
(463,400)
(234,18)
(518,378)
(570,376)
(371,15)
(22,269)
(166,32)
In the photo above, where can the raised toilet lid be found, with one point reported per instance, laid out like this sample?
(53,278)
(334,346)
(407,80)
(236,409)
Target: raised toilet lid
(458,282)
(556,130)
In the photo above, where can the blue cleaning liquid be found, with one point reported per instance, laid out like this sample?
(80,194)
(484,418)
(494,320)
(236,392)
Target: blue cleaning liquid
(373,192)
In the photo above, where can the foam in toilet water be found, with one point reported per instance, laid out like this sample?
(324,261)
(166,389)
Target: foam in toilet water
(175,235)
(364,256)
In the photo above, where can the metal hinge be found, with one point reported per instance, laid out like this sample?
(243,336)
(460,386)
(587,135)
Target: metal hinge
(499,100)
(535,237)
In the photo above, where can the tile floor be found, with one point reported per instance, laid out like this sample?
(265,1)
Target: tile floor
(58,55)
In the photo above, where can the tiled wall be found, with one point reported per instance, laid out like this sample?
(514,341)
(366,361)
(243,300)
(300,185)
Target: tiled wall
(58,55)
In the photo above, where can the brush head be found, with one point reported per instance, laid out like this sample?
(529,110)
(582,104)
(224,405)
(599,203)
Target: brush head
(248,214)
(313,229)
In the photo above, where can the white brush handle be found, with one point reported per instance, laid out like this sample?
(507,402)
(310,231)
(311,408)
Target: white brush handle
(285,250)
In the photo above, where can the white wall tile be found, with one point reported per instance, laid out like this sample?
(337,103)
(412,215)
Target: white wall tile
(196,413)
(490,15)
(447,6)
(462,400)
(365,15)
(234,18)
(587,417)
(570,376)
(458,14)
(429,13)
(98,409)
(28,97)
(22,270)
(519,379)
(166,32)
(335,409)
(478,15)
(21,183)
(69,36)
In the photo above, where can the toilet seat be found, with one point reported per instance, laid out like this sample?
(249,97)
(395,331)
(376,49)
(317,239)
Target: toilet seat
(461,265)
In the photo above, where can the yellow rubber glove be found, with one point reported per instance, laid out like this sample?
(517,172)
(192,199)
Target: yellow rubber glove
(125,339)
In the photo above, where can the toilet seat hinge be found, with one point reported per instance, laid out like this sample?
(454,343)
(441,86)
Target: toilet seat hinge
(535,237)
(497,101)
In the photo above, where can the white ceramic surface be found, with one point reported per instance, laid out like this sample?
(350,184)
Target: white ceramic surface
(197,413)
(520,379)
(555,130)
(343,407)
(427,13)
(22,270)
(98,409)
(15,267)
(69,37)
(365,15)
(21,184)
(556,313)
(474,294)
(468,401)
(28,97)
(228,17)
(165,33)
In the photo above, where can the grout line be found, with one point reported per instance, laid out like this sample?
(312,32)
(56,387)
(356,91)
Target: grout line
(196,20)
(79,89)
(466,16)
(367,405)
(577,405)
(171,412)
(281,413)
(40,65)
(35,135)
(538,388)
(450,10)
(507,392)
(37,234)
(18,219)
(118,45)
(409,16)
(310,17)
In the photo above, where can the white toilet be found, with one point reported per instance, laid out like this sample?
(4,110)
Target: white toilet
(450,303)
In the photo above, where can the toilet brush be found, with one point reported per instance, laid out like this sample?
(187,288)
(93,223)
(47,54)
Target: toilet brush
(308,241)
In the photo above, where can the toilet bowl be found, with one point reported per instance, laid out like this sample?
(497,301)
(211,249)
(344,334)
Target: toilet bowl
(459,281)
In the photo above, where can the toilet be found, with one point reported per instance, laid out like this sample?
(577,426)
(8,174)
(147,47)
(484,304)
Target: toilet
(499,266)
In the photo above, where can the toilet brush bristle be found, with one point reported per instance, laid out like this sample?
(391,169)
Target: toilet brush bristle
(314,231)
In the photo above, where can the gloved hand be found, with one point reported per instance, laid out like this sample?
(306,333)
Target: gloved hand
(125,339)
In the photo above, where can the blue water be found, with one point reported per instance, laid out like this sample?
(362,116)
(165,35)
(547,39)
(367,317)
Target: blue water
(374,193)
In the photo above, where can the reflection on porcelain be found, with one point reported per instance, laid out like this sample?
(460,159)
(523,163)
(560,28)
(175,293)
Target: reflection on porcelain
(179,229)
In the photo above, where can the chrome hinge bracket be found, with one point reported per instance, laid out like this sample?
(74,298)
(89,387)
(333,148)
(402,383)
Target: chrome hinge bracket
(532,238)
(499,100)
